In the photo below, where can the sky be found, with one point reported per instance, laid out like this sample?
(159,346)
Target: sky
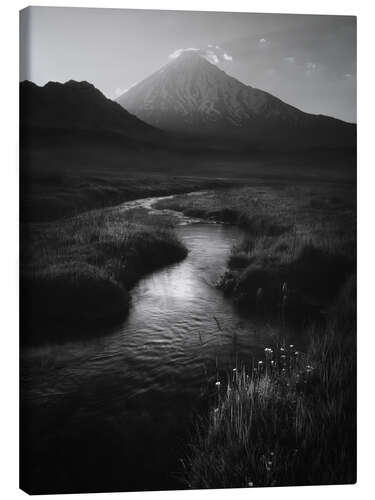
(307,61)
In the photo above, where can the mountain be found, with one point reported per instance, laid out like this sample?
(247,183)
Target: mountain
(192,96)
(79,110)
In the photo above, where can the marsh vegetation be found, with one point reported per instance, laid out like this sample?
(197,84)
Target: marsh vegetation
(298,248)
(79,270)
(241,418)
(287,418)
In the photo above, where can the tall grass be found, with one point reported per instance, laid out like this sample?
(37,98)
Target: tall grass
(79,271)
(292,272)
(298,246)
(288,419)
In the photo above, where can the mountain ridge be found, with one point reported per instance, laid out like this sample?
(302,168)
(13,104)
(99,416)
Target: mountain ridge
(78,108)
(189,95)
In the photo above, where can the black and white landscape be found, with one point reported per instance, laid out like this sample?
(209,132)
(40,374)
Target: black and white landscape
(188,264)
(193,96)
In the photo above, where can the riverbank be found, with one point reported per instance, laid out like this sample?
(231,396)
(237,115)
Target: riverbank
(299,246)
(141,385)
(287,419)
(77,272)
(126,395)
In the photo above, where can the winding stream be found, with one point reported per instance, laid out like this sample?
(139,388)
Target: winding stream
(125,399)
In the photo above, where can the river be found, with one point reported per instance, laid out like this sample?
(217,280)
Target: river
(114,412)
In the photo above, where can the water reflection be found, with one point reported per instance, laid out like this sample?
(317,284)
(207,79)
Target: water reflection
(171,334)
(140,381)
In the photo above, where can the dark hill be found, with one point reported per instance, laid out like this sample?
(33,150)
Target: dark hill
(78,112)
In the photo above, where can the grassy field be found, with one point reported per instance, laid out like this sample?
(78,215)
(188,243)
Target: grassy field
(287,419)
(50,195)
(63,181)
(78,271)
(298,247)
(74,264)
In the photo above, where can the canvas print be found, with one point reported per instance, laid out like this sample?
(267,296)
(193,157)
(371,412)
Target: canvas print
(187,250)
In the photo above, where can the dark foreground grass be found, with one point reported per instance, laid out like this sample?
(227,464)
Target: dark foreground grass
(78,271)
(289,419)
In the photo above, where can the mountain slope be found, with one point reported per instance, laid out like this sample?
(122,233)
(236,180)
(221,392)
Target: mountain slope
(191,95)
(79,108)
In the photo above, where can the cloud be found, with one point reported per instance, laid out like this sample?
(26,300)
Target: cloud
(213,53)
(311,68)
(178,52)
(211,56)
(264,43)
(290,60)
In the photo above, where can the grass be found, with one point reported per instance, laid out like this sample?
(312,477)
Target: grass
(298,246)
(48,194)
(78,271)
(289,419)
(272,208)
(292,419)
(61,180)
(286,274)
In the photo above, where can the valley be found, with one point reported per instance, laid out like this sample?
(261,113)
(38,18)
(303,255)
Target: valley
(188,286)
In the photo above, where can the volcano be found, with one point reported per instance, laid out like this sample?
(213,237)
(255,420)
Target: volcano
(189,95)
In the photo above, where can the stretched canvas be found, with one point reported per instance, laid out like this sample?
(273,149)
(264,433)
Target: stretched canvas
(188,263)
